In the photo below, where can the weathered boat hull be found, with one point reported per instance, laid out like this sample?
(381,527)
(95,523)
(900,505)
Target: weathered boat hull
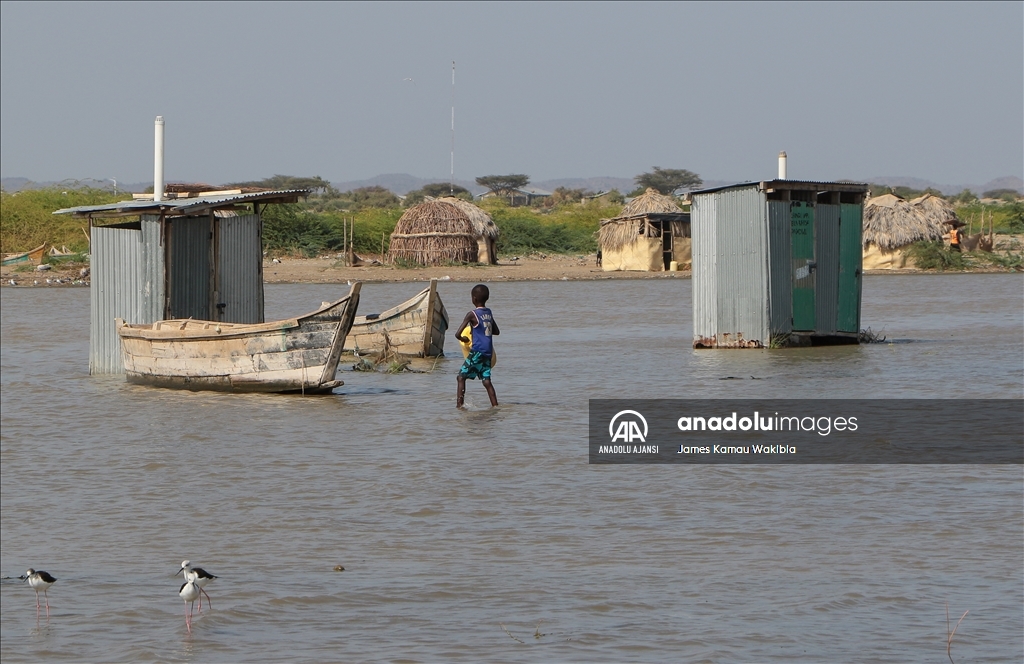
(415,327)
(293,355)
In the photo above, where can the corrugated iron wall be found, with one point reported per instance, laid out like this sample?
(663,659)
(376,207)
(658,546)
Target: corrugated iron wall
(742,269)
(240,269)
(826,255)
(780,268)
(730,268)
(704,228)
(190,242)
(127,282)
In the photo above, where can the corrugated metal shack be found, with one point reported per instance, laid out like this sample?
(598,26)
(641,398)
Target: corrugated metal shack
(776,263)
(196,258)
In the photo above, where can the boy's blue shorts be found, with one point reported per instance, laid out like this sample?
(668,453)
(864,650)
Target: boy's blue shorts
(477,365)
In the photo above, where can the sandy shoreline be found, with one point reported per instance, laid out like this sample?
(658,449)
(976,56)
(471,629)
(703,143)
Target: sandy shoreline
(331,269)
(533,268)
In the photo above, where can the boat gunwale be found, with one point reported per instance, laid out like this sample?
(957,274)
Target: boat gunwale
(426,302)
(25,256)
(228,330)
(394,311)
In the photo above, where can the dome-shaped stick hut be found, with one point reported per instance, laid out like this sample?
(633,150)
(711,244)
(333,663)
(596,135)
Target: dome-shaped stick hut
(484,227)
(891,225)
(650,232)
(433,233)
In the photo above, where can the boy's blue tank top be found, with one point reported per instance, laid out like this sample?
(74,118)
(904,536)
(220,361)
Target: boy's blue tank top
(482,332)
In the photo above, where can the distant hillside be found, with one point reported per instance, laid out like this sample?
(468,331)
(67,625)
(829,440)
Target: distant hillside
(1008,182)
(11,185)
(403,183)
(593,184)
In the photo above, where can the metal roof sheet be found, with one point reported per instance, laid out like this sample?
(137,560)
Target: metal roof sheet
(804,185)
(184,205)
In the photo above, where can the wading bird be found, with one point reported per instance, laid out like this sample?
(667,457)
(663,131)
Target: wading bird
(189,592)
(201,578)
(40,581)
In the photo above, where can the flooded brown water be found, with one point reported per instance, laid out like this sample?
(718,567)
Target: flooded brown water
(485,535)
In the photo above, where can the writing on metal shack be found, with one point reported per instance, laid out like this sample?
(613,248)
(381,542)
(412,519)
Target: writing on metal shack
(776,263)
(197,257)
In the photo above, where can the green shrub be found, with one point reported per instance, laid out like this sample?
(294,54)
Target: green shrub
(1006,218)
(293,228)
(27,219)
(569,228)
(933,255)
(286,228)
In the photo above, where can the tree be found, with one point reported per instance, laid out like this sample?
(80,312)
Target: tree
(437,190)
(373,196)
(668,181)
(504,184)
(564,195)
(316,183)
(1009,195)
(966,196)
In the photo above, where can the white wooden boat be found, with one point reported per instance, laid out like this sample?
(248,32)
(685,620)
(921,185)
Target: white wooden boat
(415,327)
(293,355)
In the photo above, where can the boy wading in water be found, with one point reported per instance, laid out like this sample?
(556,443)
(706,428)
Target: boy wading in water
(482,328)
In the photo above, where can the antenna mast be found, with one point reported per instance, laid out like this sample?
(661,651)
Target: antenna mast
(452,190)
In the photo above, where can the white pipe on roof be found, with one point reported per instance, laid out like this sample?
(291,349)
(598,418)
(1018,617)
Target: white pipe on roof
(158,159)
(782,165)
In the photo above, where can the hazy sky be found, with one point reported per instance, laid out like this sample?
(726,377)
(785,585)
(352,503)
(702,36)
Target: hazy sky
(348,91)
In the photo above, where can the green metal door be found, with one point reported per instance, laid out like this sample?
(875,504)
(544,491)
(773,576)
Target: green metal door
(802,235)
(848,319)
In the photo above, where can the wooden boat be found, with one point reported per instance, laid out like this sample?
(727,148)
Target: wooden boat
(293,355)
(415,327)
(34,256)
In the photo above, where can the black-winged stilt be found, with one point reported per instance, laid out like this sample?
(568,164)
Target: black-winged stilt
(40,581)
(200,576)
(189,592)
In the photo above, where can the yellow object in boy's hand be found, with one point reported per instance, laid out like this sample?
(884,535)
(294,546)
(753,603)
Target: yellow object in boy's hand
(468,333)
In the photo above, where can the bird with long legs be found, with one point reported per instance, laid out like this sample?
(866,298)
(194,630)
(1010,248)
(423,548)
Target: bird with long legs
(189,592)
(40,581)
(201,578)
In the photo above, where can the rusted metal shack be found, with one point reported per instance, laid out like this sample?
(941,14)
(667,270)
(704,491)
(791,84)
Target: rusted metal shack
(198,257)
(776,263)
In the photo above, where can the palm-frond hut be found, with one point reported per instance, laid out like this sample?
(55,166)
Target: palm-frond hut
(484,227)
(432,233)
(935,208)
(937,211)
(650,232)
(891,225)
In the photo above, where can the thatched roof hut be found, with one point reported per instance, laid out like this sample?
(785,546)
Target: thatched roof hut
(936,209)
(484,227)
(483,224)
(650,201)
(632,222)
(432,233)
(891,222)
(650,230)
